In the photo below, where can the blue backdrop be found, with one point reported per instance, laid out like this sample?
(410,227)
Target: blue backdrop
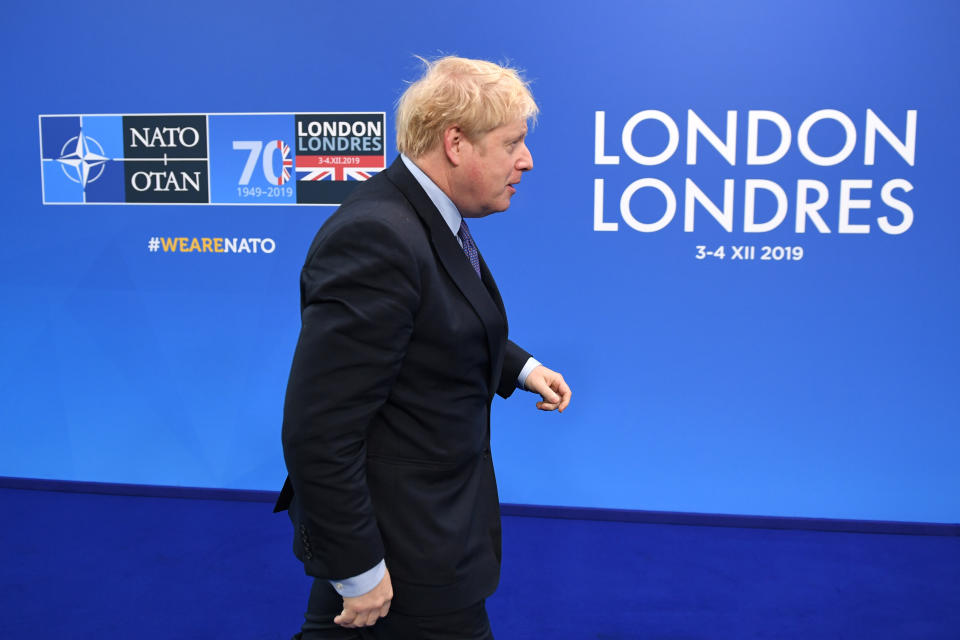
(820,382)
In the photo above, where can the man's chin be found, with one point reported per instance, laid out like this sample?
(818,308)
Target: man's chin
(505,203)
(497,208)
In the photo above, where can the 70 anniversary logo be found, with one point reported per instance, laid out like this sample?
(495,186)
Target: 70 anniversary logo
(216,158)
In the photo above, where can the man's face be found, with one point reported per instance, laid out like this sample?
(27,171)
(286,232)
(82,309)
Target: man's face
(492,166)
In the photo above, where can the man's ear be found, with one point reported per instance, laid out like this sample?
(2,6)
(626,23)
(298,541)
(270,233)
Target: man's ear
(453,144)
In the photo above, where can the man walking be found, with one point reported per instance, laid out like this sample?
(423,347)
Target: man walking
(386,430)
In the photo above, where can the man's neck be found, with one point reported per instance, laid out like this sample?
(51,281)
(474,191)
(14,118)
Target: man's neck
(437,167)
(448,210)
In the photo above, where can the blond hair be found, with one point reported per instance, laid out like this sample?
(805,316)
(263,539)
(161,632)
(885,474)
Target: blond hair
(475,95)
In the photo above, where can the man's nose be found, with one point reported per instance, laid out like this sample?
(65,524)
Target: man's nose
(525,162)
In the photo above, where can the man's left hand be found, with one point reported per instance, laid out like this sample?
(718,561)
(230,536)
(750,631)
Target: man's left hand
(553,390)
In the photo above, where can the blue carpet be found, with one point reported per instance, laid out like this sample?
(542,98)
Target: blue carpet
(78,566)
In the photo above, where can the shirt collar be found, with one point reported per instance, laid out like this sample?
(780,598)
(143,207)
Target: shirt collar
(441,201)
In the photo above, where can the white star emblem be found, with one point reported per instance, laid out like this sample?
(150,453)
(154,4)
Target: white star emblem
(79,161)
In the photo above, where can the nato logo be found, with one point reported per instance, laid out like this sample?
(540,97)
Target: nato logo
(82,159)
(135,159)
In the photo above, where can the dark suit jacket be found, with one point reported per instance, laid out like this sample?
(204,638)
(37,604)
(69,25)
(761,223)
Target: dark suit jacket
(386,428)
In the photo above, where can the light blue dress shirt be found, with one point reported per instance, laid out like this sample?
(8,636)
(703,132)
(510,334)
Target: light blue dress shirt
(366,581)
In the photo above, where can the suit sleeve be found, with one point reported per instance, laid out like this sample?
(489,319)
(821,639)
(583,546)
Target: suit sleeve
(360,292)
(513,360)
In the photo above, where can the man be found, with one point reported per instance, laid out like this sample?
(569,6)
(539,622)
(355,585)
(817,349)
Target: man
(386,430)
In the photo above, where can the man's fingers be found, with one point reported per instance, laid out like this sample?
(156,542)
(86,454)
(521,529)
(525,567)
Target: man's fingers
(346,618)
(371,617)
(353,619)
(553,389)
(560,386)
(546,392)
(552,396)
(557,394)
(567,394)
(560,403)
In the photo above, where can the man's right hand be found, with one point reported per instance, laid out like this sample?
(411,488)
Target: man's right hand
(365,610)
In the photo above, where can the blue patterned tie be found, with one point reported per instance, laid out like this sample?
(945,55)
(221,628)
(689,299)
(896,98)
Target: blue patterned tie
(469,246)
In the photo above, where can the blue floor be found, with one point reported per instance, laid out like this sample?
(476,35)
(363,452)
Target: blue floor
(78,566)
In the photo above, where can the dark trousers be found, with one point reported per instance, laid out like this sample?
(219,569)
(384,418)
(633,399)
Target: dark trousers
(471,623)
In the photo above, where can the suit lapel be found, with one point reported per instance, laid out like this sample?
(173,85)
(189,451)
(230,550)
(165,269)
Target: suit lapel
(486,303)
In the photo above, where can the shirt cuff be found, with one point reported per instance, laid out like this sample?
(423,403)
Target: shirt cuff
(532,363)
(361,584)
